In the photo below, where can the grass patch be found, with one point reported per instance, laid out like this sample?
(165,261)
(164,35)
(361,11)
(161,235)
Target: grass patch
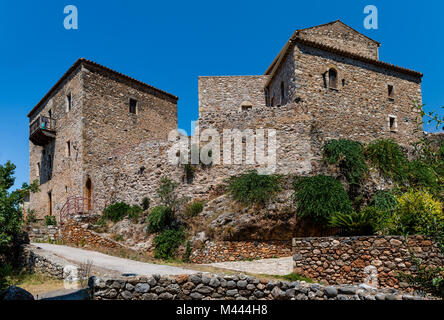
(294,277)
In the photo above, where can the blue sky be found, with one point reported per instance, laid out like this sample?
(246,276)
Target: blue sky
(168,44)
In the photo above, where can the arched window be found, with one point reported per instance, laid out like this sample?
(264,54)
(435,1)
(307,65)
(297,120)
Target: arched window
(282,92)
(332,78)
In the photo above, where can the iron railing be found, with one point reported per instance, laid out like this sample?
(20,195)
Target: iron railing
(42,123)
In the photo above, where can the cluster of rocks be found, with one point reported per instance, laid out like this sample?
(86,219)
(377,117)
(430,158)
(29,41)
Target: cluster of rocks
(339,260)
(41,233)
(230,287)
(219,251)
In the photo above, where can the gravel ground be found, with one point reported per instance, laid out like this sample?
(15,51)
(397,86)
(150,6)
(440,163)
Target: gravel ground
(278,266)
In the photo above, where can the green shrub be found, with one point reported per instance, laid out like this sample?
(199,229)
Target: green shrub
(349,156)
(386,155)
(251,187)
(418,213)
(355,223)
(159,218)
(384,201)
(194,208)
(166,193)
(116,211)
(134,212)
(167,242)
(145,203)
(30,217)
(50,221)
(320,196)
(421,175)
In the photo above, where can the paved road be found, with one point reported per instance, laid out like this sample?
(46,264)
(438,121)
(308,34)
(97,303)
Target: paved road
(276,266)
(100,260)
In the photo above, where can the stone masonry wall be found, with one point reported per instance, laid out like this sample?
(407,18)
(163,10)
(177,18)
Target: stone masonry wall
(59,173)
(219,251)
(342,260)
(222,93)
(341,36)
(229,287)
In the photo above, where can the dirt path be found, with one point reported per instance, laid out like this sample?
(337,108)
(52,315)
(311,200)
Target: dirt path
(100,260)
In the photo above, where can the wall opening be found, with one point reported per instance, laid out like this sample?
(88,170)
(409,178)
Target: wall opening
(50,203)
(88,193)
(391,92)
(132,106)
(68,102)
(332,78)
(393,123)
(282,92)
(68,148)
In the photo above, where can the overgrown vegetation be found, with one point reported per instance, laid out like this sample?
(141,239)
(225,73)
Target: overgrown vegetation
(194,208)
(318,197)
(254,188)
(167,242)
(120,210)
(11,219)
(50,221)
(145,203)
(426,279)
(349,157)
(417,213)
(387,156)
(160,218)
(355,223)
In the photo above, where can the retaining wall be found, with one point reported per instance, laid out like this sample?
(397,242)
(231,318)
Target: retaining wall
(350,260)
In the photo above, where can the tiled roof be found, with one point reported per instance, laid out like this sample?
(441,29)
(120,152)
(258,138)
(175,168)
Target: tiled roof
(93,64)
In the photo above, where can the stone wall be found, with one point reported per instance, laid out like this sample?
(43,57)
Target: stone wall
(77,234)
(346,260)
(227,93)
(37,260)
(229,287)
(219,251)
(337,34)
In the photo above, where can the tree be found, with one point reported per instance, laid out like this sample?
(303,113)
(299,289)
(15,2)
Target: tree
(11,219)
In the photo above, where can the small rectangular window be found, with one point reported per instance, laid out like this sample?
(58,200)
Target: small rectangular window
(133,106)
(68,148)
(390,92)
(393,124)
(38,169)
(68,102)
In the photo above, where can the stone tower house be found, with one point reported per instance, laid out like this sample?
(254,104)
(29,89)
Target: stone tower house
(105,135)
(89,111)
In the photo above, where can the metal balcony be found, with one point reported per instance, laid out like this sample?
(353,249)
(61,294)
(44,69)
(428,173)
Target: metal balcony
(42,131)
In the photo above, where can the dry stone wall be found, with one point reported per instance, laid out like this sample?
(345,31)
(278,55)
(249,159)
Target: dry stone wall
(230,287)
(220,251)
(350,260)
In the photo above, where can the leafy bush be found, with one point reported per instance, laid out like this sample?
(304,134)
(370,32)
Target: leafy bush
(11,220)
(386,155)
(159,218)
(320,196)
(418,213)
(355,223)
(145,203)
(349,156)
(421,175)
(251,187)
(384,201)
(50,221)
(166,193)
(167,242)
(134,212)
(116,211)
(194,208)
(30,217)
